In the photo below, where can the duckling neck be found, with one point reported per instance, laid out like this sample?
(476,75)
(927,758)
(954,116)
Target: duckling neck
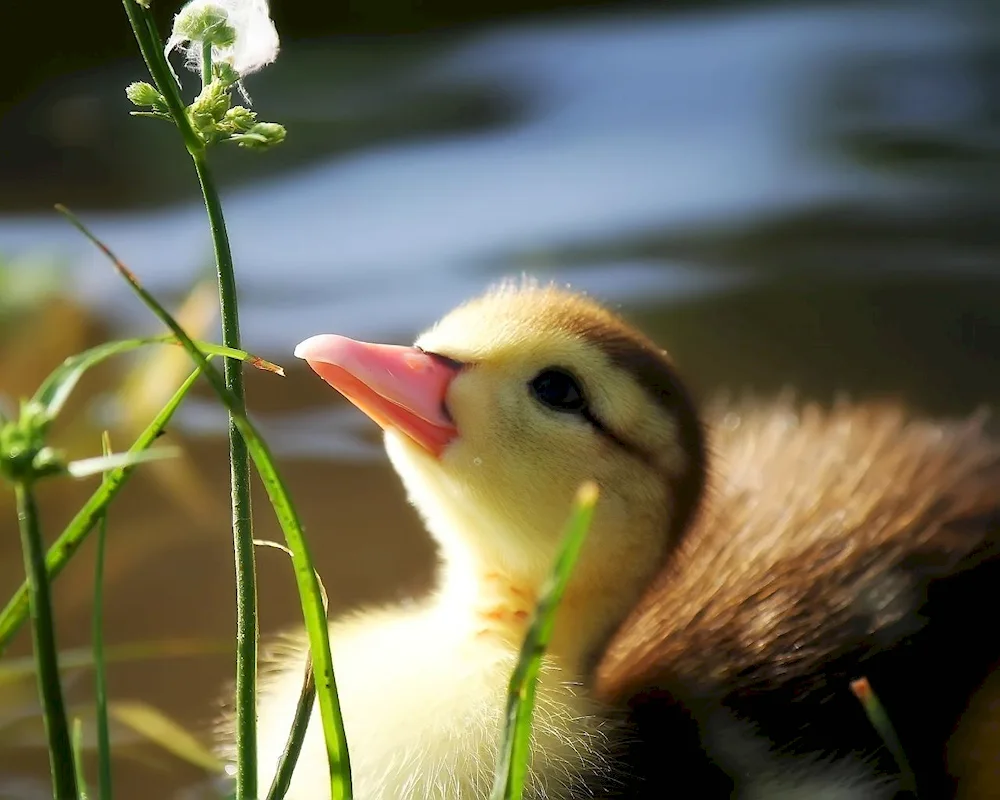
(498,600)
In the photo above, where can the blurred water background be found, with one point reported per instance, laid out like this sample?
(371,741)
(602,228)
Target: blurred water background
(783,194)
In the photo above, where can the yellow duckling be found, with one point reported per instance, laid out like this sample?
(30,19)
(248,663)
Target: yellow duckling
(493,419)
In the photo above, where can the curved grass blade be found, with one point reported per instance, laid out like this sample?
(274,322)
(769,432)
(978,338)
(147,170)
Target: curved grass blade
(57,387)
(16,611)
(303,708)
(296,735)
(512,765)
(310,594)
(158,728)
(862,689)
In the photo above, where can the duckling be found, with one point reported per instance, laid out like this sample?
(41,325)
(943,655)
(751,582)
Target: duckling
(726,560)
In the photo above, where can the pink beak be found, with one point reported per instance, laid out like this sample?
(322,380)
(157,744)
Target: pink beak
(401,388)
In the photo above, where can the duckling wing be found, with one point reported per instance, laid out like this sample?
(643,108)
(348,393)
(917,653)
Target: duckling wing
(834,544)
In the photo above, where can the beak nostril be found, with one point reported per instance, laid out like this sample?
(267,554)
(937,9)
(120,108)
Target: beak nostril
(446,361)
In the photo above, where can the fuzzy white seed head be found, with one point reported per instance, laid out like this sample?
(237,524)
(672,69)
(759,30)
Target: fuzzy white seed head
(240,32)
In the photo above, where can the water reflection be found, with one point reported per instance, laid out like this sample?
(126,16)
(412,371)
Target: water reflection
(628,128)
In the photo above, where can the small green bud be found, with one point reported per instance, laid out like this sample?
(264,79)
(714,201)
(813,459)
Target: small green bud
(239,119)
(223,71)
(261,136)
(23,453)
(204,23)
(210,106)
(144,94)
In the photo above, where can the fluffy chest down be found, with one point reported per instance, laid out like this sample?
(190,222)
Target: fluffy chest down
(423,698)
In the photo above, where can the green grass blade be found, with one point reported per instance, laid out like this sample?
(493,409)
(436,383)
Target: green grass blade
(310,594)
(97,636)
(77,741)
(862,689)
(58,386)
(515,746)
(303,708)
(16,611)
(296,735)
(155,726)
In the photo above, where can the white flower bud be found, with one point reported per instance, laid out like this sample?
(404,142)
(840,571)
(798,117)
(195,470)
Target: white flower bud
(240,33)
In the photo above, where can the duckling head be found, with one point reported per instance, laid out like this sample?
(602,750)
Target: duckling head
(497,415)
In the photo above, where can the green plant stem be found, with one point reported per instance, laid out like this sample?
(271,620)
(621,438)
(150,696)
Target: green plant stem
(44,640)
(206,63)
(239,460)
(149,40)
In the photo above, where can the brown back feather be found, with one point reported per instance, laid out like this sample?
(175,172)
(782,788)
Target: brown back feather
(820,532)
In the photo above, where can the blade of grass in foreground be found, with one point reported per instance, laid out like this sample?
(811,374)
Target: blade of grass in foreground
(296,735)
(310,593)
(303,708)
(81,778)
(156,727)
(97,635)
(56,388)
(16,611)
(862,689)
(515,747)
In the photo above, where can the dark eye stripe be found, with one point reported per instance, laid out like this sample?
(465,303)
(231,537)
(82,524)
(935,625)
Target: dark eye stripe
(628,446)
(558,389)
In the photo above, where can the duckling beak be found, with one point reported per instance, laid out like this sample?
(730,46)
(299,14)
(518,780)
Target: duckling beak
(401,388)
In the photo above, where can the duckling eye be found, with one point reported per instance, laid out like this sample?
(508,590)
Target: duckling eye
(558,389)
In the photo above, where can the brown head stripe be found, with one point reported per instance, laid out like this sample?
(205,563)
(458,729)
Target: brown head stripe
(650,366)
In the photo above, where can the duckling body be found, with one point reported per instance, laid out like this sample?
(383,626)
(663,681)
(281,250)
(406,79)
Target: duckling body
(738,571)
(423,694)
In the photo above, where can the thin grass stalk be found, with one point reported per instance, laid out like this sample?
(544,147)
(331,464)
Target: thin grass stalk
(44,640)
(97,634)
(515,746)
(879,718)
(303,706)
(239,462)
(16,611)
(306,579)
(81,776)
(296,736)
(149,41)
